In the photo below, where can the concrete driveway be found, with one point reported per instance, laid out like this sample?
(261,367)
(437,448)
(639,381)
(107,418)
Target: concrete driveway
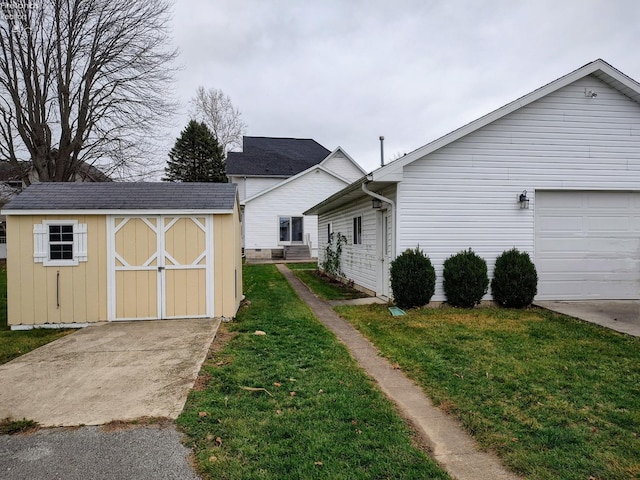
(620,315)
(113,371)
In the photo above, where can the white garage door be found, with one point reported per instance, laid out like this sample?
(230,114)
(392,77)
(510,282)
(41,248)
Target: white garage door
(587,245)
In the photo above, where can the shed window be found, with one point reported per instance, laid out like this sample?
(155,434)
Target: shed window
(357,231)
(60,242)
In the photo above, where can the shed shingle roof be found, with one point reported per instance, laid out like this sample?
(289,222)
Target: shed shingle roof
(267,156)
(125,196)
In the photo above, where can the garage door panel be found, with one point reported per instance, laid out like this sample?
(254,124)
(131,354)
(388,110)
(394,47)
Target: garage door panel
(560,223)
(608,224)
(587,245)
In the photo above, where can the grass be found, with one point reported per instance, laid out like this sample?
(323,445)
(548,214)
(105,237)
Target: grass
(556,398)
(9,426)
(292,403)
(14,344)
(326,288)
(303,266)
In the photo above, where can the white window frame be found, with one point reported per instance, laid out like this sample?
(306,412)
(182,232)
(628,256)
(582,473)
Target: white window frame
(357,230)
(42,245)
(290,240)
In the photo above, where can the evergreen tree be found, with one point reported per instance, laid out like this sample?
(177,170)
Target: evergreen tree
(196,156)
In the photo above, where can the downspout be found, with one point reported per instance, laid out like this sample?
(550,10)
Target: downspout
(393,214)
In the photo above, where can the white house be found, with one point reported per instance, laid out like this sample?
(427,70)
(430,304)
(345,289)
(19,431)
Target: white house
(572,148)
(278,179)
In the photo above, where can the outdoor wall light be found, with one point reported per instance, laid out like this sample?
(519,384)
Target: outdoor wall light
(524,201)
(376,203)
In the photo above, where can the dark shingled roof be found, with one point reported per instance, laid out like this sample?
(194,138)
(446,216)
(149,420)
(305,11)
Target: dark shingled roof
(125,196)
(275,156)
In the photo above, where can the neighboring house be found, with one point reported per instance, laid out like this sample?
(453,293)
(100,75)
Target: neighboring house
(92,252)
(278,179)
(13,180)
(572,148)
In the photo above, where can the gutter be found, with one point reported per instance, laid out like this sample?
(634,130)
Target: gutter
(393,213)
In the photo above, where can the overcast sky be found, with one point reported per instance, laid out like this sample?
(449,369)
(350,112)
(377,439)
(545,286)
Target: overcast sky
(344,72)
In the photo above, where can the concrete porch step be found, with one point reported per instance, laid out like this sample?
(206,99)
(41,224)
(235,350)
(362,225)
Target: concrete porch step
(297,252)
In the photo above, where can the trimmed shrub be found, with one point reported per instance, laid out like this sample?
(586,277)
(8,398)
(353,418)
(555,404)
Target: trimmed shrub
(515,280)
(413,279)
(465,279)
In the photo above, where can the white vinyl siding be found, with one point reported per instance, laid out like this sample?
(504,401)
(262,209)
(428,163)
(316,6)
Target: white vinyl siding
(250,186)
(359,262)
(262,213)
(342,166)
(465,194)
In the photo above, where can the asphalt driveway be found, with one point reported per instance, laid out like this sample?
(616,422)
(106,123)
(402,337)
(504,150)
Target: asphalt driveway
(113,371)
(620,315)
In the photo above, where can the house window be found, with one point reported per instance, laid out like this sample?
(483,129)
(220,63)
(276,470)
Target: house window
(357,231)
(3,233)
(60,242)
(291,229)
(329,231)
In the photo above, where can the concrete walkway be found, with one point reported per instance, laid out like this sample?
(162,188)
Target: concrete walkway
(451,446)
(620,315)
(112,371)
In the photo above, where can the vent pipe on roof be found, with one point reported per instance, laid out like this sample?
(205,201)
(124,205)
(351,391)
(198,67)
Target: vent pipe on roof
(382,150)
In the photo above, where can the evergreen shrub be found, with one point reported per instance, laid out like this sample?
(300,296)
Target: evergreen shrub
(515,280)
(413,279)
(465,279)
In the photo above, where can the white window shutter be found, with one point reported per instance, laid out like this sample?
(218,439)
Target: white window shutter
(40,234)
(80,242)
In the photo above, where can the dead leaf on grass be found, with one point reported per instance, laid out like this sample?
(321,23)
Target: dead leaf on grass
(202,414)
(260,333)
(257,389)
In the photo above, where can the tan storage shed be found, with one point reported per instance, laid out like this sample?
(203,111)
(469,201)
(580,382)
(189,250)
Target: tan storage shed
(89,252)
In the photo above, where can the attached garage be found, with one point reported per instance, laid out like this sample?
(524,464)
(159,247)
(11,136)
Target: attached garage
(81,253)
(587,245)
(555,174)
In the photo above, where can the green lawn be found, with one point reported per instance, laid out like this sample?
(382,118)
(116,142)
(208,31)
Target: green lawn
(318,416)
(303,266)
(556,398)
(14,344)
(325,288)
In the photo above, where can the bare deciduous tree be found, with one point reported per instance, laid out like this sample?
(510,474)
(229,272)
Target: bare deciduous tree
(213,107)
(83,81)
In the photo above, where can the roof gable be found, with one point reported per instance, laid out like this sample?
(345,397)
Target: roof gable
(598,68)
(295,178)
(268,156)
(112,196)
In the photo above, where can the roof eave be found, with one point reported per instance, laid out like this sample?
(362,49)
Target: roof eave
(67,212)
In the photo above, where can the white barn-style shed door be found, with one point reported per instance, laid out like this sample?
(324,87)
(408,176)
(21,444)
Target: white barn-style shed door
(587,245)
(160,266)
